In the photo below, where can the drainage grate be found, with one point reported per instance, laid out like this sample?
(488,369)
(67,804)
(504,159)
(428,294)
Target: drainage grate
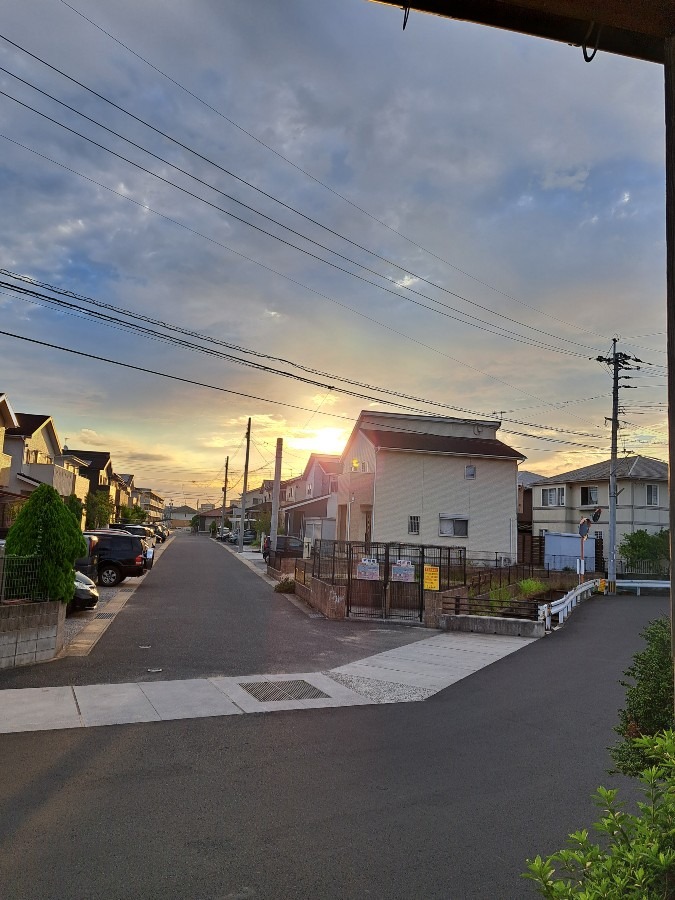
(268,691)
(104,615)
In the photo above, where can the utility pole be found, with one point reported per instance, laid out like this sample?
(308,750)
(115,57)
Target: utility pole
(276,491)
(618,362)
(243,493)
(222,514)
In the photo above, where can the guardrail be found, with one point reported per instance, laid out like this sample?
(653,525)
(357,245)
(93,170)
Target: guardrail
(643,583)
(563,607)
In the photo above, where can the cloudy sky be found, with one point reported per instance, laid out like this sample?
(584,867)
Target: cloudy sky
(453,213)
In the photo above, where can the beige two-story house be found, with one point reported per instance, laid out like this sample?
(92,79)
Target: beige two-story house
(560,502)
(433,480)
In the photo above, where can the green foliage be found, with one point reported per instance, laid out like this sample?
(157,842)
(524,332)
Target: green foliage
(213,528)
(45,527)
(100,508)
(530,587)
(76,506)
(641,545)
(133,515)
(637,858)
(649,699)
(286,585)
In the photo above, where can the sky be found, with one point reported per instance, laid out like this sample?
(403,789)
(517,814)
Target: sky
(453,213)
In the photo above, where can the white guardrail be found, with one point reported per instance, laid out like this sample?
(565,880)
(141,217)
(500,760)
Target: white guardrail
(635,585)
(563,607)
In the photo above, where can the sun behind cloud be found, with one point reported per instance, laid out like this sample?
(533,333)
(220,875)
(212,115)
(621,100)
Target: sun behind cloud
(322,440)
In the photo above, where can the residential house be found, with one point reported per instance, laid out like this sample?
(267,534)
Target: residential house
(128,480)
(151,502)
(120,493)
(178,516)
(432,480)
(35,451)
(8,419)
(560,502)
(314,516)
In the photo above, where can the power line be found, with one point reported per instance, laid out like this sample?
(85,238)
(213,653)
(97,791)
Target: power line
(483,324)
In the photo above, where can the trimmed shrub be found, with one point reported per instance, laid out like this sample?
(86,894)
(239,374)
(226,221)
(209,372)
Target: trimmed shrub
(649,699)
(44,527)
(637,858)
(286,585)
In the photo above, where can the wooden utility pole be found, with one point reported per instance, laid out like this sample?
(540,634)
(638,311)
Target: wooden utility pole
(243,493)
(276,491)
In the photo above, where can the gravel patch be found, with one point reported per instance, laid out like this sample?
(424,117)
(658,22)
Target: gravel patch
(381,691)
(77,619)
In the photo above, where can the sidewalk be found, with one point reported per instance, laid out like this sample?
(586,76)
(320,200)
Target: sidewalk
(409,673)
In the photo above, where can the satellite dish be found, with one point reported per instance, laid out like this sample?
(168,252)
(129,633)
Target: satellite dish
(597,514)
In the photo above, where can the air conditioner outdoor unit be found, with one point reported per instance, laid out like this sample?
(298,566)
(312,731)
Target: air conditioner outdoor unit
(505,561)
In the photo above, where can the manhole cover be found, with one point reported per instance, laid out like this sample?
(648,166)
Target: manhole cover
(269,691)
(104,615)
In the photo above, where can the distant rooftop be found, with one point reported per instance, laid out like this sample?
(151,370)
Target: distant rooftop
(642,468)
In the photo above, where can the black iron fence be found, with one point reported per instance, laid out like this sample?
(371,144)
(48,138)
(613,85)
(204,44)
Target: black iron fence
(482,581)
(510,607)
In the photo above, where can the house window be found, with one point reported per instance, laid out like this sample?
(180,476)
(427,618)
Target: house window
(413,524)
(589,496)
(652,495)
(597,535)
(364,466)
(355,465)
(453,526)
(470,473)
(333,484)
(553,496)
(309,489)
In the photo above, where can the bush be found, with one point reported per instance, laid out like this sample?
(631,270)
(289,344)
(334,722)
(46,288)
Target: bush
(286,585)
(530,587)
(637,860)
(44,527)
(649,700)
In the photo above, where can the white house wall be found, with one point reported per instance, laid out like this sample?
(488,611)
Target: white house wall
(427,485)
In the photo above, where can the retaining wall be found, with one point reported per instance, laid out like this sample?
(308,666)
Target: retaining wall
(31,632)
(492,625)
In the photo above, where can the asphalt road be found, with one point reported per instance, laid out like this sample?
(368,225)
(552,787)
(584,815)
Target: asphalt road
(440,799)
(204,613)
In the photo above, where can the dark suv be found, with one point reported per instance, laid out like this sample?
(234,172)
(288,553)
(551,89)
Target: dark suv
(120,556)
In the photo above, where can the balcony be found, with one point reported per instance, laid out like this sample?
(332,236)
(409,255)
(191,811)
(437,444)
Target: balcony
(61,479)
(5,468)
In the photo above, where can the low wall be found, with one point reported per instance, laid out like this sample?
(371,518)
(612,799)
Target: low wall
(31,632)
(287,568)
(492,625)
(328,599)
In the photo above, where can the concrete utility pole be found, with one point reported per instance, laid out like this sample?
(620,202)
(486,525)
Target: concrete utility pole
(276,491)
(222,514)
(618,362)
(669,78)
(243,493)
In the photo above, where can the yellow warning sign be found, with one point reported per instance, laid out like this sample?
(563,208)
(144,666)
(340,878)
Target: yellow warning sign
(431,578)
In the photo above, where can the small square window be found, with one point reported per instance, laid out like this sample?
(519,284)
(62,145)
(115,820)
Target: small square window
(413,524)
(597,535)
(469,472)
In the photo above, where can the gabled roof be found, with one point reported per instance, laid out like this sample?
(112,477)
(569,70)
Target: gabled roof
(182,509)
(127,479)
(527,479)
(436,443)
(96,459)
(29,423)
(640,468)
(329,462)
(10,415)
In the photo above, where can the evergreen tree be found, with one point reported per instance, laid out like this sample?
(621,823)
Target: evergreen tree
(100,509)
(46,528)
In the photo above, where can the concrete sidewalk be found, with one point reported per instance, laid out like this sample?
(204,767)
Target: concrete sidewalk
(408,673)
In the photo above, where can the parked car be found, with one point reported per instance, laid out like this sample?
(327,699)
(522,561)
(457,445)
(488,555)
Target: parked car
(160,534)
(88,565)
(86,592)
(142,531)
(249,537)
(290,545)
(121,555)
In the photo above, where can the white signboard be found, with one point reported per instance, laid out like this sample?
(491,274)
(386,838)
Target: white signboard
(368,569)
(403,570)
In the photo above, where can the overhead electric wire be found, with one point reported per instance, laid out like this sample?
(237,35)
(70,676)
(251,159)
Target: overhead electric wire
(315,179)
(251,396)
(276,222)
(294,281)
(136,328)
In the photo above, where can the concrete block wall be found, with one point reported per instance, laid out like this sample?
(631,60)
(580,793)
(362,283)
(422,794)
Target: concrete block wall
(493,625)
(30,632)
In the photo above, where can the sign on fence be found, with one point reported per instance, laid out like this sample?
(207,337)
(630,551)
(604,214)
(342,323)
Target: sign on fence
(368,569)
(431,578)
(403,570)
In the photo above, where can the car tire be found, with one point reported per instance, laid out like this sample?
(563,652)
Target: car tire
(109,575)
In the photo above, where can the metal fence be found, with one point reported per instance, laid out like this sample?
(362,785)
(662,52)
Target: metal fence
(20,578)
(513,608)
(484,580)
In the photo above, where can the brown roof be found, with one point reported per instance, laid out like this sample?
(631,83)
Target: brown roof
(436,443)
(643,468)
(29,423)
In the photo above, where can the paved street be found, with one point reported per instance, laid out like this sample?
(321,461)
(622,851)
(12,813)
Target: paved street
(438,799)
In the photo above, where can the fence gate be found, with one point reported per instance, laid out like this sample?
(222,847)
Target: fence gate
(385,581)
